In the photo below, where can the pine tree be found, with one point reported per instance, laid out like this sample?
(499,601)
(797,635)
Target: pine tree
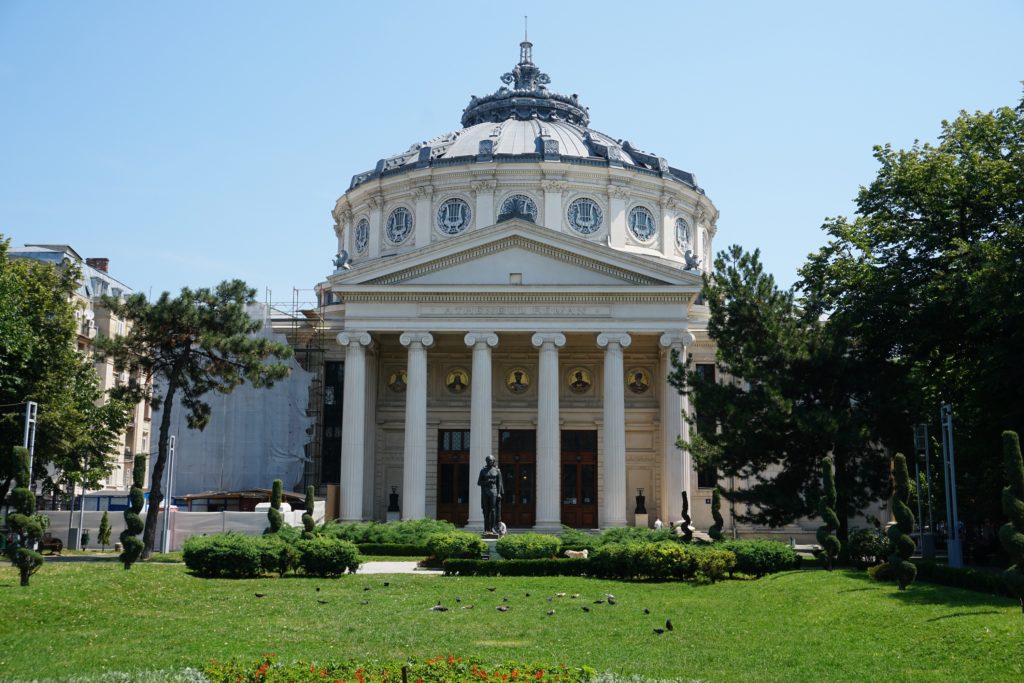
(103,535)
(715,531)
(308,524)
(130,543)
(25,525)
(1011,534)
(274,513)
(826,536)
(901,545)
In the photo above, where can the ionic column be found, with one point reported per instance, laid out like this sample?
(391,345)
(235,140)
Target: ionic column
(676,465)
(353,424)
(613,455)
(376,205)
(484,191)
(414,470)
(421,195)
(479,418)
(553,190)
(549,458)
(617,197)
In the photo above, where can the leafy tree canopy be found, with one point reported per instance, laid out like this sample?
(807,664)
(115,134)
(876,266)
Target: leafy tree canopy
(199,341)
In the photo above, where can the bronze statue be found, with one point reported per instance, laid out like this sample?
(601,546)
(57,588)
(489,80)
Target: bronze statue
(491,491)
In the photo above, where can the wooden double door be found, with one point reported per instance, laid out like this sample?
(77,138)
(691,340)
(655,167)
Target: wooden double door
(453,476)
(579,479)
(517,458)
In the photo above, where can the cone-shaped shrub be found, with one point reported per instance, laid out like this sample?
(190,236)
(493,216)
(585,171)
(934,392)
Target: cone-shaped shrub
(826,534)
(308,524)
(274,513)
(715,531)
(25,525)
(131,544)
(103,535)
(901,545)
(687,530)
(1011,534)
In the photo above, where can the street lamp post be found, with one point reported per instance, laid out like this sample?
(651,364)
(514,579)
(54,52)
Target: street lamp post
(166,544)
(955,552)
(921,445)
(29,437)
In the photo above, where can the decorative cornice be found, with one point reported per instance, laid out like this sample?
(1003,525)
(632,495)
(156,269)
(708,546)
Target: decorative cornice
(554,185)
(424,339)
(555,338)
(618,191)
(422,192)
(375,201)
(606,339)
(483,185)
(474,338)
(511,242)
(682,298)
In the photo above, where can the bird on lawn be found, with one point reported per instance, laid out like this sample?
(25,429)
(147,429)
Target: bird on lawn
(467,607)
(261,595)
(458,599)
(551,612)
(559,595)
(611,601)
(505,599)
(364,602)
(586,609)
(598,602)
(386,584)
(646,611)
(503,608)
(491,589)
(668,624)
(659,631)
(439,607)
(318,589)
(609,596)
(366,588)
(322,602)
(574,596)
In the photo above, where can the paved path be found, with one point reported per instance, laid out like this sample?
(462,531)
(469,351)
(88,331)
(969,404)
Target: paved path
(395,568)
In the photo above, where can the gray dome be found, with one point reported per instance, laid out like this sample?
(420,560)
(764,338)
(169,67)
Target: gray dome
(525,122)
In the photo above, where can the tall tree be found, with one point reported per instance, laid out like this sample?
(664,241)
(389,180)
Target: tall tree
(791,398)
(1011,534)
(926,278)
(78,427)
(186,346)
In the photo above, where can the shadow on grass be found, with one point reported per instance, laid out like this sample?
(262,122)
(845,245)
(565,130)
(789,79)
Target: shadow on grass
(964,614)
(921,593)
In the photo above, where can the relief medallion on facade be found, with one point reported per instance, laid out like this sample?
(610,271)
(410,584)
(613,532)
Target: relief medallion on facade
(638,380)
(457,380)
(517,381)
(580,380)
(398,380)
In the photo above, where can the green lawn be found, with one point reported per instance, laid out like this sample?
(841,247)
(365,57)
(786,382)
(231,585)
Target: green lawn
(797,626)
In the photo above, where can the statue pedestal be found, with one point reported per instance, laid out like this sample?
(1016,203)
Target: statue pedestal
(492,550)
(640,520)
(394,515)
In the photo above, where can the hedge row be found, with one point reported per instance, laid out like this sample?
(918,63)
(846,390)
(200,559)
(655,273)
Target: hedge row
(405,532)
(394,549)
(966,578)
(758,557)
(543,567)
(234,555)
(528,546)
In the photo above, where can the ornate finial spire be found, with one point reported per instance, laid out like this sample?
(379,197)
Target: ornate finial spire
(526,76)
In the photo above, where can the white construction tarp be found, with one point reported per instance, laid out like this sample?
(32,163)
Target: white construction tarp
(255,435)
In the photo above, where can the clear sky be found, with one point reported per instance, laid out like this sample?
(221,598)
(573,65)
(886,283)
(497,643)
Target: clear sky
(194,141)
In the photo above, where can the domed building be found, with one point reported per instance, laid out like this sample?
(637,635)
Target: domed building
(516,287)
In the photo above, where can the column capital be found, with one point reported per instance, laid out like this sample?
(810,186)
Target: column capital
(358,337)
(474,338)
(677,338)
(621,338)
(541,338)
(424,339)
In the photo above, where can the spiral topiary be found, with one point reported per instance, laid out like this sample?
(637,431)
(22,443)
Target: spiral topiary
(901,545)
(715,531)
(274,513)
(685,530)
(25,525)
(827,539)
(308,524)
(131,544)
(1011,534)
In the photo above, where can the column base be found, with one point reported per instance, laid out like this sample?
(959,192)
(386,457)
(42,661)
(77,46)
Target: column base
(547,527)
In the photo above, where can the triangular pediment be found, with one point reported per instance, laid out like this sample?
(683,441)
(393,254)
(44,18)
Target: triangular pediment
(517,252)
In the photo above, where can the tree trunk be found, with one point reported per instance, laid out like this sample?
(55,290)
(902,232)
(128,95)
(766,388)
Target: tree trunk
(155,491)
(24,575)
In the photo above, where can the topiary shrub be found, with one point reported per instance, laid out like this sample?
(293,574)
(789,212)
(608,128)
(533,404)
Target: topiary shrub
(1011,534)
(103,535)
(712,564)
(686,531)
(131,544)
(308,524)
(759,557)
(454,545)
(274,513)
(901,545)
(715,532)
(830,545)
(25,525)
(278,555)
(527,546)
(325,556)
(665,560)
(405,532)
(229,555)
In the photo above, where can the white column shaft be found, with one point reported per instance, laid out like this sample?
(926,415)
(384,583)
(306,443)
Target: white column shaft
(613,455)
(414,470)
(353,431)
(672,427)
(479,419)
(548,511)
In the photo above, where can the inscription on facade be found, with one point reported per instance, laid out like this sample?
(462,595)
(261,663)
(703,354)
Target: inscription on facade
(515,311)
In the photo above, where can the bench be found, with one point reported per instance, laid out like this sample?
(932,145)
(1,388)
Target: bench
(48,542)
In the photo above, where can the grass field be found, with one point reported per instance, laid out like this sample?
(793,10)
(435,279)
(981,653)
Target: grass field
(796,626)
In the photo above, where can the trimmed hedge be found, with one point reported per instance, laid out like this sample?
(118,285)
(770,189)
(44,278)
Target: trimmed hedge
(455,545)
(406,532)
(544,567)
(326,556)
(661,561)
(394,549)
(230,555)
(759,557)
(528,546)
(966,578)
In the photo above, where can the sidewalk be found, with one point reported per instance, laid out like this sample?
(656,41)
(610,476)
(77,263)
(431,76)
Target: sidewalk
(395,568)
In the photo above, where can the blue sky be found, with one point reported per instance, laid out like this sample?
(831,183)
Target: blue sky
(195,141)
